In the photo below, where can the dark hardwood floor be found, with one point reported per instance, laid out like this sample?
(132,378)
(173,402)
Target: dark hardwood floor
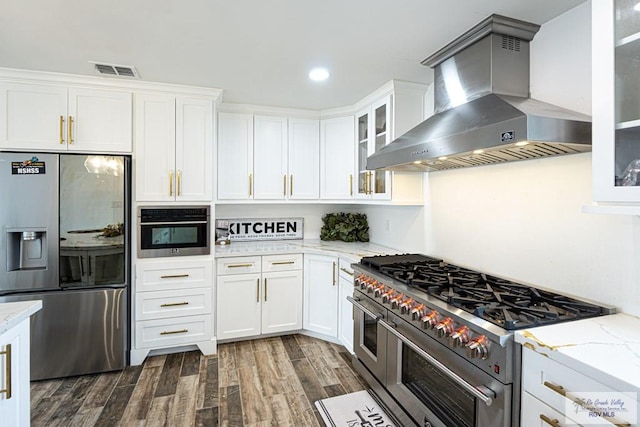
(265,382)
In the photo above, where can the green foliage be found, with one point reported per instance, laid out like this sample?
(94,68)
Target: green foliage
(348,227)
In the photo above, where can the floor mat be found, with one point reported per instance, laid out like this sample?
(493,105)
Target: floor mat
(359,409)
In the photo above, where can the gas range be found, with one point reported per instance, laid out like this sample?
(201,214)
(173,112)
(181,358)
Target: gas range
(502,302)
(437,339)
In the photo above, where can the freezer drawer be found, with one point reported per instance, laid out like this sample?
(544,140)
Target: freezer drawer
(77,332)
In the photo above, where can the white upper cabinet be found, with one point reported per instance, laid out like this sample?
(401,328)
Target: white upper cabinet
(49,117)
(337,158)
(174,148)
(616,101)
(304,159)
(373,133)
(235,156)
(267,157)
(270,158)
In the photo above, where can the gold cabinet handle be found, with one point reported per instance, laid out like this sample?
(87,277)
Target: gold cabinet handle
(284,185)
(557,388)
(179,183)
(61,130)
(334,274)
(173,304)
(351,184)
(171,183)
(174,276)
(181,331)
(265,289)
(70,131)
(350,273)
(282,262)
(563,392)
(7,371)
(250,184)
(257,290)
(291,185)
(239,265)
(552,422)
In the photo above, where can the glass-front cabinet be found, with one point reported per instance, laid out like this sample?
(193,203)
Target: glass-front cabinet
(373,132)
(616,101)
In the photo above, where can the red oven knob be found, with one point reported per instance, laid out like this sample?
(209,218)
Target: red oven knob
(364,280)
(406,306)
(395,301)
(459,337)
(370,285)
(430,320)
(445,327)
(360,280)
(477,348)
(379,290)
(386,297)
(418,312)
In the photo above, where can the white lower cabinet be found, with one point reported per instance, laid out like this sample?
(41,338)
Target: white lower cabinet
(552,393)
(345,284)
(321,294)
(173,306)
(14,360)
(258,295)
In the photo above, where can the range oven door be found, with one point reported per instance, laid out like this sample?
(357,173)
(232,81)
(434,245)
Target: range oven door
(369,338)
(438,387)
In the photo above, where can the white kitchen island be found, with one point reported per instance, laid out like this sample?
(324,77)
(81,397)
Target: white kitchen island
(14,361)
(593,361)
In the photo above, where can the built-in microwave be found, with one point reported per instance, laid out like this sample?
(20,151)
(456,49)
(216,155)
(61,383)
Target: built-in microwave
(165,231)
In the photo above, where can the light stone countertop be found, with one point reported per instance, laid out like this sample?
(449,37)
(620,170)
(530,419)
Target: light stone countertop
(12,313)
(352,251)
(606,348)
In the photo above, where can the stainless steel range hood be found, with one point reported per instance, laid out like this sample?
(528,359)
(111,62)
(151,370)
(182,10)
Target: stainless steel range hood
(483,113)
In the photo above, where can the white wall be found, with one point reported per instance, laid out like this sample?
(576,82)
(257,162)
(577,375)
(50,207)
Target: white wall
(523,220)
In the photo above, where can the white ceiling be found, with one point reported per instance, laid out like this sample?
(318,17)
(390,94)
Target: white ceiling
(258,51)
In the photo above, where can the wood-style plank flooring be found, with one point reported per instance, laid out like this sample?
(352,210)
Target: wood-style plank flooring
(264,382)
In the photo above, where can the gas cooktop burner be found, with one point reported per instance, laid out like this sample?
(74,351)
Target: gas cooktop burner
(502,302)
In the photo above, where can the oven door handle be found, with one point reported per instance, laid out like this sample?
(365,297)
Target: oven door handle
(488,400)
(364,309)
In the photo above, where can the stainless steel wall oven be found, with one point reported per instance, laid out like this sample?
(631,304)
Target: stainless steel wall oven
(165,231)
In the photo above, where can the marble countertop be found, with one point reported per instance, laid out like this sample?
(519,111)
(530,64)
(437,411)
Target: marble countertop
(12,313)
(353,251)
(89,240)
(605,348)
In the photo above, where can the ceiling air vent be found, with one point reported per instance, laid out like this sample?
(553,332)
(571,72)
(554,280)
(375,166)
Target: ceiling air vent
(112,70)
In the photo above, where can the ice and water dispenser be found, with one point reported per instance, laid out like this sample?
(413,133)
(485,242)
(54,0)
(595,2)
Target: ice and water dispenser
(26,249)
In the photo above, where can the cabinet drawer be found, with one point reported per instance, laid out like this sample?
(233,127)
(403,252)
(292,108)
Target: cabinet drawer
(163,304)
(174,331)
(238,265)
(345,269)
(281,262)
(535,413)
(154,276)
(549,381)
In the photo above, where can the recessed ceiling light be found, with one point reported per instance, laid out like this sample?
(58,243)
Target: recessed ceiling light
(319,74)
(443,158)
(417,162)
(522,143)
(478,151)
(637,7)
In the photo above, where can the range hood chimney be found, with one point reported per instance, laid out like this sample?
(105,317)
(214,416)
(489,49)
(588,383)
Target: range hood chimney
(483,113)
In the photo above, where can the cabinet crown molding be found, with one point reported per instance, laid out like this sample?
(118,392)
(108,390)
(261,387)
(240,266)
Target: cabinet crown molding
(95,82)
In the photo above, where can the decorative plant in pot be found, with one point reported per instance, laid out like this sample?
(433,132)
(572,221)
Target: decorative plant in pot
(348,227)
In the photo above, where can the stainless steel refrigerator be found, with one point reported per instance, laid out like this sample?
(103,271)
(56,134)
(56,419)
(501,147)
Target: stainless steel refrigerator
(65,239)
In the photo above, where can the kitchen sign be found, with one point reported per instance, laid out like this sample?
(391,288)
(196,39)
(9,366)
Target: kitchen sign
(259,229)
(32,166)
